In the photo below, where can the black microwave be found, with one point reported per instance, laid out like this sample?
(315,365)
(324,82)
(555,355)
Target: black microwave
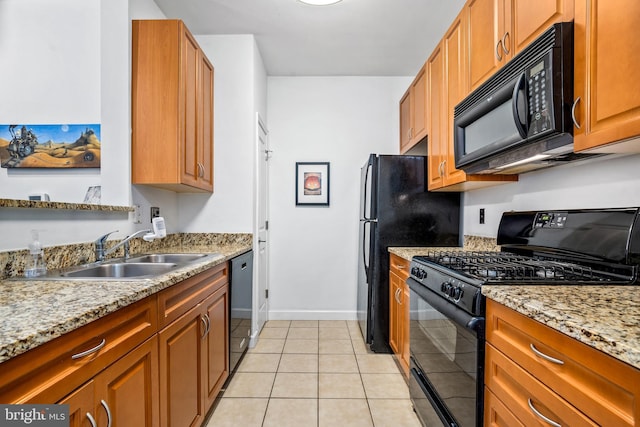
(520,119)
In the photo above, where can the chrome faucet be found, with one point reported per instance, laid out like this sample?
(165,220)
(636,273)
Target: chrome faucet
(99,244)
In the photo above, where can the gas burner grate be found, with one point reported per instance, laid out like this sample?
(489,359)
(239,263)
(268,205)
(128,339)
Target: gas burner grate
(504,266)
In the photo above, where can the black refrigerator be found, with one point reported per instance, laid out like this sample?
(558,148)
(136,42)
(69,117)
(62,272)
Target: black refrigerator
(396,210)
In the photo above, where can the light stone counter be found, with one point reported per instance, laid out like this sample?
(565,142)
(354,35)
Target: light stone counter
(604,317)
(34,312)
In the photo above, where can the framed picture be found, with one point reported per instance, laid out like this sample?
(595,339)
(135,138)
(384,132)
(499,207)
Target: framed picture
(312,183)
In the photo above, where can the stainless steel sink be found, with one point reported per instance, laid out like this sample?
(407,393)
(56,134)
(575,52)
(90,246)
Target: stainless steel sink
(138,267)
(164,258)
(120,270)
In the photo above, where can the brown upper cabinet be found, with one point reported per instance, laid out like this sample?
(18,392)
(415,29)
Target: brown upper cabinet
(447,85)
(413,112)
(607,75)
(171,108)
(499,29)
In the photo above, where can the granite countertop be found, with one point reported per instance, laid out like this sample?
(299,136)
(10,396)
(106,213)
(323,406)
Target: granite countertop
(34,312)
(604,317)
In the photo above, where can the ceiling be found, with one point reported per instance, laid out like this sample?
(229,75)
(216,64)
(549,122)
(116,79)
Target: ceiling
(350,38)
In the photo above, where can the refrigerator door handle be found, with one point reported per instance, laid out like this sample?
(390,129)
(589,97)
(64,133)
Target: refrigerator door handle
(368,220)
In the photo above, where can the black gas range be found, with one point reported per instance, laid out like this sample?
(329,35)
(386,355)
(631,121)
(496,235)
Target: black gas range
(568,247)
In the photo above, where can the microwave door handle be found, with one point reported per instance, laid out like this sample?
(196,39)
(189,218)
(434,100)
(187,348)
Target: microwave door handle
(521,125)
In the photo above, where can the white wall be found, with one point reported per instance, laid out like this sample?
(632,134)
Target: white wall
(596,183)
(340,120)
(51,75)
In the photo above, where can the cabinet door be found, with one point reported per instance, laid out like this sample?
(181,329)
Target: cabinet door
(215,357)
(205,124)
(456,71)
(528,19)
(394,324)
(81,406)
(404,313)
(437,118)
(607,73)
(405,121)
(418,101)
(486,30)
(189,144)
(127,391)
(180,346)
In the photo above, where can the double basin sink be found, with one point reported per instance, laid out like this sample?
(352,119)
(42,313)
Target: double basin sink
(135,268)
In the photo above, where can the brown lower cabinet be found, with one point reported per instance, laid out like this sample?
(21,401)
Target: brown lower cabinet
(533,373)
(194,361)
(124,394)
(399,310)
(158,362)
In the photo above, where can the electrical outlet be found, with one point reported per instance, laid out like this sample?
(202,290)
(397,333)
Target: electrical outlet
(155,212)
(137,214)
(481,216)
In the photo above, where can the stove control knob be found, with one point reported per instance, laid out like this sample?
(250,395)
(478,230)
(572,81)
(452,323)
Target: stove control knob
(457,293)
(445,287)
(414,271)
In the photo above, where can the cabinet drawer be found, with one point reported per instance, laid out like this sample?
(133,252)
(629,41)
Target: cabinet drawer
(525,395)
(175,301)
(604,388)
(399,266)
(49,372)
(496,414)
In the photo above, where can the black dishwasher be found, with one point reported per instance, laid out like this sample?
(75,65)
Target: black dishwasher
(241,290)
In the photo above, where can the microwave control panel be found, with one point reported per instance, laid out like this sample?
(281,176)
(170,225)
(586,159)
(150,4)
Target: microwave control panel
(540,96)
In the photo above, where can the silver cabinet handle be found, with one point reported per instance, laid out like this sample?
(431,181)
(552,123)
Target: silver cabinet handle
(106,409)
(398,266)
(204,323)
(498,48)
(542,417)
(90,351)
(573,113)
(504,44)
(206,316)
(545,356)
(92,420)
(397,296)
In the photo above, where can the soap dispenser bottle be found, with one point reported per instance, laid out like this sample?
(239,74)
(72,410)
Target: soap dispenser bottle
(35,265)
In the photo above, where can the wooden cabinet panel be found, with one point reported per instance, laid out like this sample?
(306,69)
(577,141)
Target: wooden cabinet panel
(181,346)
(47,374)
(604,388)
(171,108)
(81,406)
(175,301)
(496,414)
(527,398)
(124,394)
(607,75)
(405,121)
(500,29)
(530,19)
(437,117)
(399,310)
(486,29)
(130,389)
(216,349)
(194,348)
(455,74)
(413,112)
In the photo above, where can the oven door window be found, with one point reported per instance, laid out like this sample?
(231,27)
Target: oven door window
(447,355)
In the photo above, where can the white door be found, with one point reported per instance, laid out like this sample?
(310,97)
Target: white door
(262,227)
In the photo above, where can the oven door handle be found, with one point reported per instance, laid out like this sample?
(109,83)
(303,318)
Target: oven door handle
(476,324)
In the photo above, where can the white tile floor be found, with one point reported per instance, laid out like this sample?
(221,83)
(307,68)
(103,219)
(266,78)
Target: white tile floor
(316,374)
